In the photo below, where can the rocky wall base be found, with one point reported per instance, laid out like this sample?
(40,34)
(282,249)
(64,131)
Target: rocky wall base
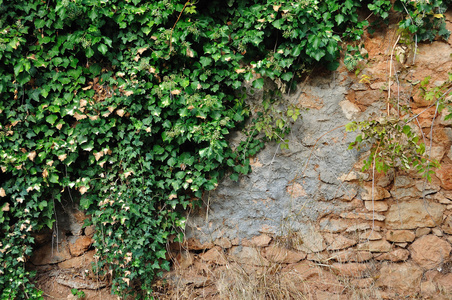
(358,264)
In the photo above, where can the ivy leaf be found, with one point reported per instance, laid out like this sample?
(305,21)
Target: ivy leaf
(258,83)
(287,76)
(339,19)
(89,52)
(102,48)
(51,119)
(234,176)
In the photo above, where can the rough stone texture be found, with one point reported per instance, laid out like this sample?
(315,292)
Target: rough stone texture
(400,236)
(376,206)
(375,246)
(423,231)
(334,225)
(322,280)
(309,241)
(247,255)
(356,270)
(363,216)
(78,245)
(195,244)
(83,261)
(430,251)
(359,227)
(361,283)
(184,259)
(90,230)
(214,255)
(351,256)
(350,109)
(444,283)
(447,225)
(370,235)
(223,242)
(51,254)
(260,240)
(379,193)
(279,254)
(414,213)
(405,193)
(445,175)
(269,196)
(338,242)
(394,256)
(404,277)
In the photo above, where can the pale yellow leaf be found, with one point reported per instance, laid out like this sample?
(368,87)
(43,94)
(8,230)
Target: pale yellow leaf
(82,189)
(93,118)
(31,156)
(83,102)
(172,196)
(79,117)
(49,163)
(175,92)
(141,50)
(98,155)
(45,173)
(120,112)
(2,192)
(5,207)
(59,126)
(276,7)
(238,71)
(128,93)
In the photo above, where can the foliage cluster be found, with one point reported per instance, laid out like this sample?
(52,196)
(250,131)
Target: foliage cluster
(393,144)
(126,105)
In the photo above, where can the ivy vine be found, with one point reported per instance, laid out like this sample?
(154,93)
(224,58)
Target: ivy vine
(126,106)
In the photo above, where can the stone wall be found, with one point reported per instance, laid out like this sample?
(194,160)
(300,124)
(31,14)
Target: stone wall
(307,221)
(309,210)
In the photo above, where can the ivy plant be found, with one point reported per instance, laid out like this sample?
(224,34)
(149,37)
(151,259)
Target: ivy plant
(125,106)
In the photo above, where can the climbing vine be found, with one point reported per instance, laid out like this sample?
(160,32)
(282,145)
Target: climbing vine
(125,106)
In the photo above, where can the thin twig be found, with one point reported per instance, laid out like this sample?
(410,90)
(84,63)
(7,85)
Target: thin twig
(172,29)
(390,70)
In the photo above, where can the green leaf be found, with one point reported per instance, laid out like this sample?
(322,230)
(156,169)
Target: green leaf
(89,52)
(102,48)
(287,76)
(339,19)
(234,176)
(258,83)
(51,119)
(85,202)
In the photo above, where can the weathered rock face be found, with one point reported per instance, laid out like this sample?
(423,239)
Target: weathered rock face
(414,213)
(314,203)
(404,277)
(430,251)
